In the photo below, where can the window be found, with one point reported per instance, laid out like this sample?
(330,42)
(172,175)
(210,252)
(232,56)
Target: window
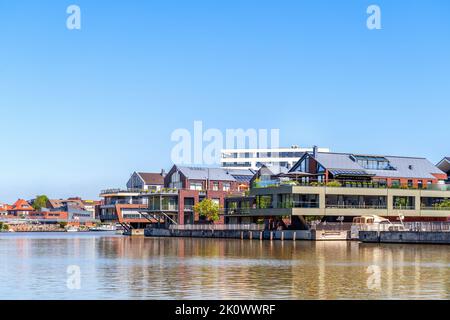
(395,183)
(196,186)
(227,186)
(420,184)
(410,183)
(216,201)
(175,181)
(215,186)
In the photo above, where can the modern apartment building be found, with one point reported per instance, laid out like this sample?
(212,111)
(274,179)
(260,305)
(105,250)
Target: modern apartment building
(254,159)
(124,207)
(346,185)
(187,186)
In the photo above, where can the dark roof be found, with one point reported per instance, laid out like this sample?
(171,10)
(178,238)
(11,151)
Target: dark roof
(201,173)
(337,172)
(401,167)
(152,178)
(240,175)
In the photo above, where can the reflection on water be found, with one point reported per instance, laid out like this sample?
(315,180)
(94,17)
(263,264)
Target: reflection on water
(33,266)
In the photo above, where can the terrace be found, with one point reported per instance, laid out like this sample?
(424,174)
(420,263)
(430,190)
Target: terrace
(348,184)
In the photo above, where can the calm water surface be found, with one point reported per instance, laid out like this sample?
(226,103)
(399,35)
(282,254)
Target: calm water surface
(34,266)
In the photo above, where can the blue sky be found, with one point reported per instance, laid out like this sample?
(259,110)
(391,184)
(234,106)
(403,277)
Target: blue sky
(80,110)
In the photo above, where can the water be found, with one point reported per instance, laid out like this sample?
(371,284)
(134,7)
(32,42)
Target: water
(34,266)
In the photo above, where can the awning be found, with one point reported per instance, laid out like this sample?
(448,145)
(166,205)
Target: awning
(349,172)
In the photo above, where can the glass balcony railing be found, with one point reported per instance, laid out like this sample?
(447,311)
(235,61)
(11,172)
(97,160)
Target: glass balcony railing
(298,204)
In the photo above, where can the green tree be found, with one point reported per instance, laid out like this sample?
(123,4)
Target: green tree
(208,208)
(40,202)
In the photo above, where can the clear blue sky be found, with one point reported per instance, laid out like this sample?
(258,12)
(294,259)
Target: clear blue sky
(81,110)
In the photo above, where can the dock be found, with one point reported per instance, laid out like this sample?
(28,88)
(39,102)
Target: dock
(211,232)
(411,237)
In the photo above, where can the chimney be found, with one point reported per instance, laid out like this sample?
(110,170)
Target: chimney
(315,151)
(163,172)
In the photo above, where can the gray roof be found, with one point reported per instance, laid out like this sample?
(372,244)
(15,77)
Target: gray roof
(444,164)
(420,167)
(200,173)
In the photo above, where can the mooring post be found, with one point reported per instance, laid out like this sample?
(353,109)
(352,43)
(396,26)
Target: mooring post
(261,236)
(251,235)
(271,235)
(282,235)
(242,235)
(294,237)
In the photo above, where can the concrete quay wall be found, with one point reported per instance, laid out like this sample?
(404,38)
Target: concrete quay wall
(405,237)
(233,234)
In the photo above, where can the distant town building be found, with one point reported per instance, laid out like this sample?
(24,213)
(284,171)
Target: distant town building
(256,158)
(75,208)
(146,181)
(20,208)
(3,209)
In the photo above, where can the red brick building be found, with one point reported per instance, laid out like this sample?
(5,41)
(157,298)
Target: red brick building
(187,186)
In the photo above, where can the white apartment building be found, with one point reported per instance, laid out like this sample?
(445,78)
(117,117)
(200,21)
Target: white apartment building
(255,158)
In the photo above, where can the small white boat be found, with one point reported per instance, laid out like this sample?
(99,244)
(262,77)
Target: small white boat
(72,229)
(103,228)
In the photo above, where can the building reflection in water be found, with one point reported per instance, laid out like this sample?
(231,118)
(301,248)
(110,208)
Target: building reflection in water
(115,267)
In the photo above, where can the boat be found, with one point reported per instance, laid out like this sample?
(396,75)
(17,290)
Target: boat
(72,229)
(373,223)
(103,228)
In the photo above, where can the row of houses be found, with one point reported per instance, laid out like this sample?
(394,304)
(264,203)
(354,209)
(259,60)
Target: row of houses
(327,185)
(74,210)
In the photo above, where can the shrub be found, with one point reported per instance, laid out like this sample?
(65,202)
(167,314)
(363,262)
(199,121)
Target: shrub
(334,184)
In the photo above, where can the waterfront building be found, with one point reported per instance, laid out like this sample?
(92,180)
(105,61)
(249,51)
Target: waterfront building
(187,186)
(254,159)
(341,186)
(124,207)
(146,181)
(384,170)
(444,165)
(20,208)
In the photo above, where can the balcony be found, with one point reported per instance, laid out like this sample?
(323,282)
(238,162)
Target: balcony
(298,204)
(163,207)
(347,184)
(356,206)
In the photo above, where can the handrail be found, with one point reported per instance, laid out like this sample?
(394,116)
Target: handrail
(218,227)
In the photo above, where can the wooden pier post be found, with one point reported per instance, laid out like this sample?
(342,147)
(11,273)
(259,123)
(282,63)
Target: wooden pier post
(261,236)
(251,235)
(242,235)
(294,237)
(271,235)
(282,235)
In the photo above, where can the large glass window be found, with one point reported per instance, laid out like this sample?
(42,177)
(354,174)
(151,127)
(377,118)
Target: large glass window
(404,203)
(264,202)
(196,186)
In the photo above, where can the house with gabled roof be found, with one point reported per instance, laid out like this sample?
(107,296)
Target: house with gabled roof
(20,208)
(146,181)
